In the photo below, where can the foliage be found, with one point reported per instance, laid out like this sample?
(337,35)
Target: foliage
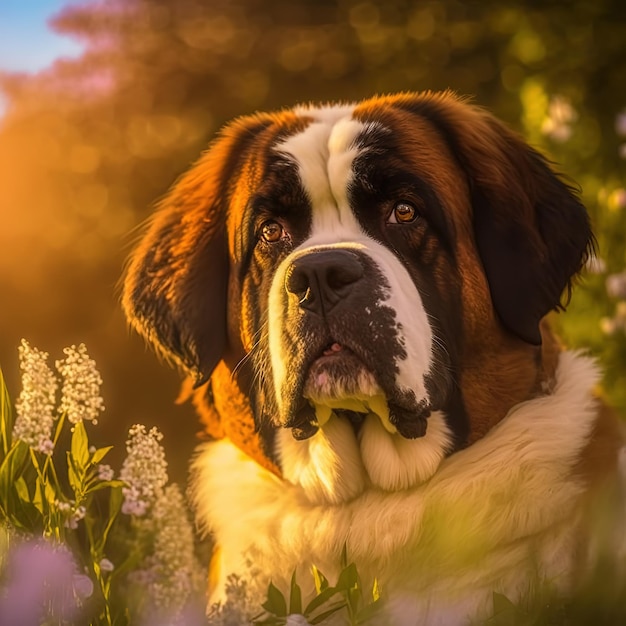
(346,595)
(63,494)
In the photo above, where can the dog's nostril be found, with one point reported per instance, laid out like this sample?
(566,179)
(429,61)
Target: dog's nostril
(321,279)
(338,276)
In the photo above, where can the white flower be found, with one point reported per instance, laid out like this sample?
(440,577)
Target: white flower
(82,585)
(106,565)
(173,572)
(77,513)
(46,446)
(35,404)
(105,472)
(244,595)
(295,619)
(80,394)
(144,470)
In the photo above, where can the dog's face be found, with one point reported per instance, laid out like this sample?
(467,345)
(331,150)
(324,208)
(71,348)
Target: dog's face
(390,258)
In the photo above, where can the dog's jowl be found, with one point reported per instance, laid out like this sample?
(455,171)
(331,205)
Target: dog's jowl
(358,294)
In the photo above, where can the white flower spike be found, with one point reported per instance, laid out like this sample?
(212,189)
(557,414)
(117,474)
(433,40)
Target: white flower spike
(35,405)
(80,393)
(144,469)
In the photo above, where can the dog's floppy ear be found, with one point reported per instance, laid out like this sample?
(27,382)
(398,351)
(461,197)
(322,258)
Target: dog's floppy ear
(531,230)
(175,287)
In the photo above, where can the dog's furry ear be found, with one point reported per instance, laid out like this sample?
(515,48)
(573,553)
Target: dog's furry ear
(532,232)
(175,286)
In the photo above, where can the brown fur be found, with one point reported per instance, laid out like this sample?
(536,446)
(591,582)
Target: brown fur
(461,149)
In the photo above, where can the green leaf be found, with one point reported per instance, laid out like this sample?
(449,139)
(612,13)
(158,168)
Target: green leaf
(348,579)
(318,619)
(38,497)
(269,621)
(115,505)
(502,604)
(99,454)
(21,489)
(50,493)
(368,612)
(320,580)
(6,417)
(320,599)
(505,613)
(80,447)
(295,596)
(344,556)
(72,475)
(106,484)
(12,467)
(275,602)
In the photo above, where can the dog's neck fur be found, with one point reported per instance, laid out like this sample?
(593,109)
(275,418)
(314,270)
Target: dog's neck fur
(502,371)
(229,415)
(491,503)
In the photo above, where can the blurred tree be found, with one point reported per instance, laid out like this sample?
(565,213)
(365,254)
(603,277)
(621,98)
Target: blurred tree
(87,145)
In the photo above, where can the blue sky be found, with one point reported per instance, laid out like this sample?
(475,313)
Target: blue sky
(26,41)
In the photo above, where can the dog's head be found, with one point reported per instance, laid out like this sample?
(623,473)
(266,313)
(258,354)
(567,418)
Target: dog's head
(390,258)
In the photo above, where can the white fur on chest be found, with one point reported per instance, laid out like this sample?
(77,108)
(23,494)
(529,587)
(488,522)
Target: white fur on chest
(488,517)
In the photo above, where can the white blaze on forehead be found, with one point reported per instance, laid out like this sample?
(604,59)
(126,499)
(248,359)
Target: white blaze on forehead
(325,152)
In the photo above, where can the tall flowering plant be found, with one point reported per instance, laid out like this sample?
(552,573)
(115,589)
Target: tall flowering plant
(77,544)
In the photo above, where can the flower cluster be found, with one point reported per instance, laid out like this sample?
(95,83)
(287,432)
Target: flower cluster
(36,402)
(173,571)
(558,123)
(80,393)
(43,581)
(40,581)
(144,470)
(238,607)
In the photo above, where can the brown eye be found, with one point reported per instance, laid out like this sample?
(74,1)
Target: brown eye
(272,231)
(403,213)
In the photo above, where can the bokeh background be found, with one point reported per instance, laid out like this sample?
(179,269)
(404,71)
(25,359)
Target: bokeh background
(91,142)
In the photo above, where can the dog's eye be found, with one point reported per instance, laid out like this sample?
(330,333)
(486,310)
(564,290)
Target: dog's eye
(272,231)
(403,213)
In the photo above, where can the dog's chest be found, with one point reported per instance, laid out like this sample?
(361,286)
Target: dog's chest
(492,515)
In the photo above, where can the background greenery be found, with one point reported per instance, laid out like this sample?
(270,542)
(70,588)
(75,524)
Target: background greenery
(87,146)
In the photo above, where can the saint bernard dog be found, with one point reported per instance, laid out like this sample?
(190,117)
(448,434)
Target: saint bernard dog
(358,292)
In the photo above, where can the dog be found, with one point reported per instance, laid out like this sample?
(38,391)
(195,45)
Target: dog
(359,293)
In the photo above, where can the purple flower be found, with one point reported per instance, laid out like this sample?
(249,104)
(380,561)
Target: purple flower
(42,582)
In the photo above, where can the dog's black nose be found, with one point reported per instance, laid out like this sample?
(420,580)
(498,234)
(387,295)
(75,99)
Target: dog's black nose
(322,279)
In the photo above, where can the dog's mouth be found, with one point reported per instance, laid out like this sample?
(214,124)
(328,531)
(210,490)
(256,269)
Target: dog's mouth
(339,382)
(337,372)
